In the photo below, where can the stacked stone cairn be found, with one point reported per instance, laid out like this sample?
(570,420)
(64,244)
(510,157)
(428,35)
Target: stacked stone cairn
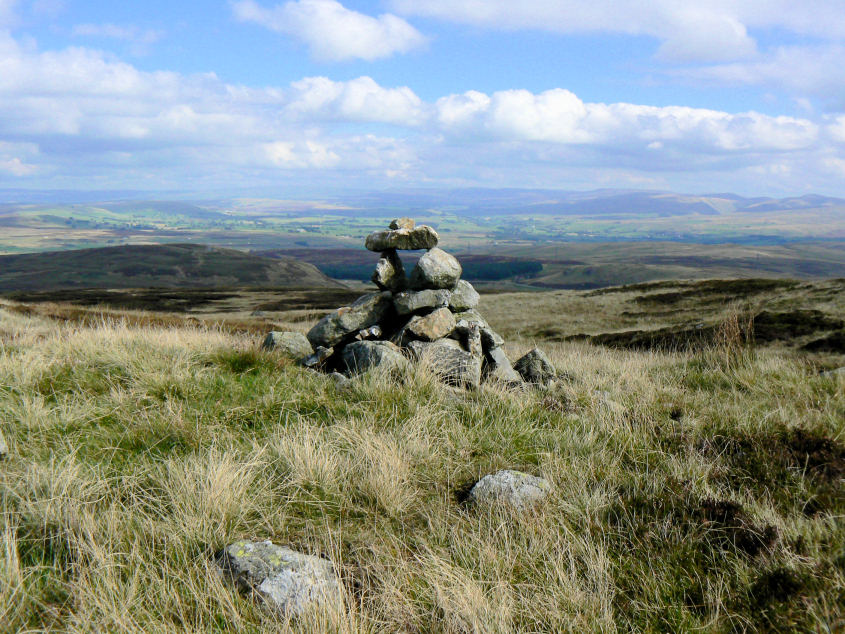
(426,317)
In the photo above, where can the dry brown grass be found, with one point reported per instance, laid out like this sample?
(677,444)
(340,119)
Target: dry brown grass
(138,450)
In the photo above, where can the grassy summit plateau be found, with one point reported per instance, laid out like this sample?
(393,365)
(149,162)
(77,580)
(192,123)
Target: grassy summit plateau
(699,487)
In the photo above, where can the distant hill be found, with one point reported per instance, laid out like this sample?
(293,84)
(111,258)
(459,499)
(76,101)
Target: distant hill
(171,265)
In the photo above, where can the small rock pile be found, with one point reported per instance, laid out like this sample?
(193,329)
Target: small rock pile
(428,316)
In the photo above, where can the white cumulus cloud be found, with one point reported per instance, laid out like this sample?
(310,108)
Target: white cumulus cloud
(75,117)
(360,99)
(331,31)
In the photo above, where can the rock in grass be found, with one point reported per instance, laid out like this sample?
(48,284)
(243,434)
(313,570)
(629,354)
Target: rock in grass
(422,237)
(834,373)
(433,326)
(435,269)
(409,302)
(292,344)
(464,297)
(361,356)
(4,448)
(341,381)
(389,274)
(290,581)
(364,312)
(535,367)
(510,488)
(446,359)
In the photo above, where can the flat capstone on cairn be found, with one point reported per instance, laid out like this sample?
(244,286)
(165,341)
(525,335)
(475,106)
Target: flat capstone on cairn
(428,316)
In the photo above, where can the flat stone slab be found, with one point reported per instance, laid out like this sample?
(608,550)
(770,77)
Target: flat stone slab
(364,312)
(435,269)
(320,356)
(511,488)
(408,302)
(402,223)
(288,580)
(292,344)
(421,237)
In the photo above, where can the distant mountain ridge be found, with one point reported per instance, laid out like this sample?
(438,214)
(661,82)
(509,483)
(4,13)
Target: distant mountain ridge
(139,266)
(600,202)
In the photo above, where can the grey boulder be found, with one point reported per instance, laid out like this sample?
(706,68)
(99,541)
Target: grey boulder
(287,580)
(389,274)
(364,312)
(404,239)
(292,344)
(435,269)
(499,367)
(449,362)
(834,373)
(408,302)
(535,367)
(362,356)
(510,488)
(464,297)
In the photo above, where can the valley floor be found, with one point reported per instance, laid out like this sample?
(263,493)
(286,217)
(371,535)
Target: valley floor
(692,489)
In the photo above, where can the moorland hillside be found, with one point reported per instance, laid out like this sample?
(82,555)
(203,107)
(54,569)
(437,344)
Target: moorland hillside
(694,486)
(171,265)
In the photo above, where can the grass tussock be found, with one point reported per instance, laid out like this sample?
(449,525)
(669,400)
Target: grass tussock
(691,490)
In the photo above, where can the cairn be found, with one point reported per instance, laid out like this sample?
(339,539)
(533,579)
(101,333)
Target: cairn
(426,317)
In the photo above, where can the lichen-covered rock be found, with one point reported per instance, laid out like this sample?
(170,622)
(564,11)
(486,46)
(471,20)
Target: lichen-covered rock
(402,223)
(389,274)
(464,297)
(510,488)
(535,367)
(422,237)
(499,367)
(433,326)
(469,334)
(449,361)
(362,356)
(364,312)
(292,344)
(435,269)
(472,316)
(408,302)
(290,581)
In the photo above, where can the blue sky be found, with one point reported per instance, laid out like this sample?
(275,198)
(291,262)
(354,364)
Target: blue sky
(311,96)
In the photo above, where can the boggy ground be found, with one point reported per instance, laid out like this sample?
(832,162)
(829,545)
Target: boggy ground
(696,489)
